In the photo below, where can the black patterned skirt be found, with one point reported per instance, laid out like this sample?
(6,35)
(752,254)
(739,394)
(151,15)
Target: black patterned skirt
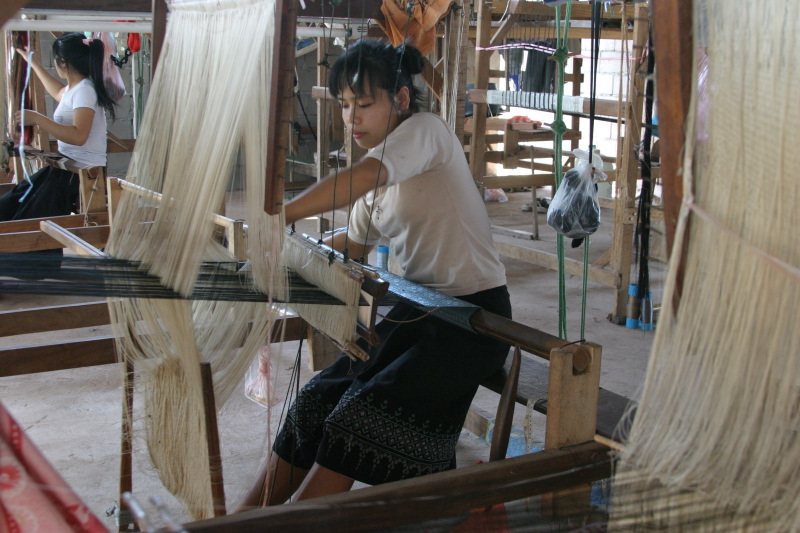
(399,414)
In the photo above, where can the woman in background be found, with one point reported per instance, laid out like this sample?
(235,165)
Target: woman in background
(78,124)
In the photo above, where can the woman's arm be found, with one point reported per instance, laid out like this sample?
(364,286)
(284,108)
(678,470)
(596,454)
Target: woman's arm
(52,85)
(335,192)
(76,133)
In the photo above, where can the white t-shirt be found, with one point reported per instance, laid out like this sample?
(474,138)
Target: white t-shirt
(431,210)
(93,152)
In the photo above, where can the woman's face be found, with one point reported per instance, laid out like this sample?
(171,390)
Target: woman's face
(370,117)
(61,67)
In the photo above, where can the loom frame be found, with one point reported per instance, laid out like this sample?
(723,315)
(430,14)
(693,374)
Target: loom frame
(553,462)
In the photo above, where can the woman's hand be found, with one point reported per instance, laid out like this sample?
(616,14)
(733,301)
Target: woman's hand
(32,118)
(51,84)
(24,52)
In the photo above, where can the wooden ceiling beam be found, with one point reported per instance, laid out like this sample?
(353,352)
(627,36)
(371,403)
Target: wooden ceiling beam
(132,6)
(9,8)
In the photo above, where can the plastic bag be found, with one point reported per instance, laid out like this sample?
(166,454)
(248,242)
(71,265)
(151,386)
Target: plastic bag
(258,385)
(494,195)
(112,77)
(574,210)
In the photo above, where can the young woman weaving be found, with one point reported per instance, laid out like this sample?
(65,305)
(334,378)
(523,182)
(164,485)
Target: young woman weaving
(79,125)
(399,414)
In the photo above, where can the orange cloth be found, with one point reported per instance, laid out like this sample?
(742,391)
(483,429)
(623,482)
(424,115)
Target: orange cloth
(419,30)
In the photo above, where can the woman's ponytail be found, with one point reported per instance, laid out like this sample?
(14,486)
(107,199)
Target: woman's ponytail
(410,59)
(97,56)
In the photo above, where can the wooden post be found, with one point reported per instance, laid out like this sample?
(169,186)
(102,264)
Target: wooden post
(571,419)
(324,116)
(456,24)
(477,149)
(124,517)
(237,240)
(672,36)
(159,31)
(114,190)
(321,350)
(628,169)
(281,103)
(505,410)
(212,439)
(9,8)
(36,90)
(92,189)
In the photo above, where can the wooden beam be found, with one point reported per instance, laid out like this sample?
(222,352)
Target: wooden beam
(87,351)
(159,10)
(9,8)
(46,357)
(527,338)
(572,267)
(672,38)
(477,147)
(628,168)
(281,104)
(354,10)
(520,31)
(67,221)
(506,24)
(432,78)
(133,6)
(41,319)
(424,498)
(606,108)
(579,11)
(527,180)
(31,241)
(68,240)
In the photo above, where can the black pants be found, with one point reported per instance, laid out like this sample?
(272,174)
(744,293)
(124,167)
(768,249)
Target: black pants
(399,414)
(55,192)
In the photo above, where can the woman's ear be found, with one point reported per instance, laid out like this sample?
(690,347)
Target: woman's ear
(403,99)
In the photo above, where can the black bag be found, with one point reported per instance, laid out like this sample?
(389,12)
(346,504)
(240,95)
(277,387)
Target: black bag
(574,210)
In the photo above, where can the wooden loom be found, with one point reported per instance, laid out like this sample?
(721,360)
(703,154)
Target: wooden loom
(497,21)
(530,340)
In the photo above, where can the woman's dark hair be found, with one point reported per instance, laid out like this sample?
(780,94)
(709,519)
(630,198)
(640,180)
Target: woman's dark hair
(87,59)
(380,65)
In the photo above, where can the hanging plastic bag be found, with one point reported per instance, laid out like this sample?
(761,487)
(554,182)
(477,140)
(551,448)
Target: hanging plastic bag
(258,385)
(574,210)
(112,77)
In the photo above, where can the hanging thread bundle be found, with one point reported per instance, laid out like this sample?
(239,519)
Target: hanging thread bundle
(197,118)
(714,443)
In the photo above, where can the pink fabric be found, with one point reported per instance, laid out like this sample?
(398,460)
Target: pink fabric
(34,498)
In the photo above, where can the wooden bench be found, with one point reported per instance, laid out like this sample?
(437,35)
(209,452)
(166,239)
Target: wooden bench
(533,385)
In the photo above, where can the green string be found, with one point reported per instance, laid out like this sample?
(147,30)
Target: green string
(559,128)
(585,279)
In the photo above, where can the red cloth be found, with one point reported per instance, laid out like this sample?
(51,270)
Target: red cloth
(34,498)
(134,42)
(522,119)
(493,520)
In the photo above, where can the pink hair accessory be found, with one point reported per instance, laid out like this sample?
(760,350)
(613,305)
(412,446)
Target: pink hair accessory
(87,41)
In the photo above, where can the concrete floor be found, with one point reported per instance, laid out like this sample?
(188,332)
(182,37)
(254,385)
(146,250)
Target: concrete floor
(74,415)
